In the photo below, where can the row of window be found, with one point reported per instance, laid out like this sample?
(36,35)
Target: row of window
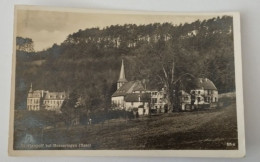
(53,102)
(200,92)
(33,107)
(33,101)
(56,96)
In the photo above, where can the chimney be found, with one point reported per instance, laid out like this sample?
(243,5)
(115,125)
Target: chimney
(139,98)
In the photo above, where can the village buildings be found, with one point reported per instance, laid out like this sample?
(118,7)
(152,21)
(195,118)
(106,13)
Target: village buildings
(42,99)
(133,96)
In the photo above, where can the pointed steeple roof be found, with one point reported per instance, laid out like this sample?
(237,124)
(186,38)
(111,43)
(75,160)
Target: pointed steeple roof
(122,73)
(30,88)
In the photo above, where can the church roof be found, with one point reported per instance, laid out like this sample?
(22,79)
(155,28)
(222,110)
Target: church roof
(129,87)
(138,87)
(205,83)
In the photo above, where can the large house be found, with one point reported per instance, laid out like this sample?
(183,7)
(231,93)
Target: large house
(34,99)
(204,94)
(53,100)
(41,99)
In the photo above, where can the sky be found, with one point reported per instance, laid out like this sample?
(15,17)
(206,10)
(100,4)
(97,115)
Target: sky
(48,27)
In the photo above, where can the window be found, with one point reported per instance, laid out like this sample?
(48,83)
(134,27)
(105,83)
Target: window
(154,100)
(198,92)
(198,99)
(132,103)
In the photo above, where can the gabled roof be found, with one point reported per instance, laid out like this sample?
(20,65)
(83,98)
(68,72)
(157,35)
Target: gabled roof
(129,87)
(138,87)
(205,83)
(134,97)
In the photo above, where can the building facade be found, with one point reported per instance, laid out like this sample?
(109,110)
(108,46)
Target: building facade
(41,99)
(34,99)
(53,100)
(204,94)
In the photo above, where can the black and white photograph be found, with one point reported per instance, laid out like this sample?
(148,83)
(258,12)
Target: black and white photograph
(86,80)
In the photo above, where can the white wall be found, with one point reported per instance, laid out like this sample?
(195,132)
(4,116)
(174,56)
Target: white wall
(250,48)
(118,101)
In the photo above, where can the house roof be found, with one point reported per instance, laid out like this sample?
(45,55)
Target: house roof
(138,87)
(36,94)
(55,96)
(205,83)
(134,97)
(129,87)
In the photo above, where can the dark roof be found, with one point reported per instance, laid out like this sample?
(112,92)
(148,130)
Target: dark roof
(129,87)
(134,97)
(205,83)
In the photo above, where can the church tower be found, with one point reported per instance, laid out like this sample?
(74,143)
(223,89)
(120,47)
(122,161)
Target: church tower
(30,91)
(122,80)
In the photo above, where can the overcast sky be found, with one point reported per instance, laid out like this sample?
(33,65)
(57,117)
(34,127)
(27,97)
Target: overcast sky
(48,27)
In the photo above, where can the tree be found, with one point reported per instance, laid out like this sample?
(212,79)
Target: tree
(69,108)
(24,44)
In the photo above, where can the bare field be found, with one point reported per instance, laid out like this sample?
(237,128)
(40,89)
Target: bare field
(209,129)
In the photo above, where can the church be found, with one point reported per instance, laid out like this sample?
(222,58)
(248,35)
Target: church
(133,95)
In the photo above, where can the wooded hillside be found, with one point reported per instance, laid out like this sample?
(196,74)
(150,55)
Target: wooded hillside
(88,61)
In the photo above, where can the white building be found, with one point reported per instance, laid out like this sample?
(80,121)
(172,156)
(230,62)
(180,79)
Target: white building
(53,100)
(34,99)
(205,93)
(41,99)
(130,95)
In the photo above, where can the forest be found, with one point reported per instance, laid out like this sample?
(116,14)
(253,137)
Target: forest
(88,61)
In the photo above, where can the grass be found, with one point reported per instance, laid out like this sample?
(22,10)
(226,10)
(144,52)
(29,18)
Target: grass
(209,129)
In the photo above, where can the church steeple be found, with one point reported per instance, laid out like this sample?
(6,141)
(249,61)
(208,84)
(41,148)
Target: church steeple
(30,88)
(122,78)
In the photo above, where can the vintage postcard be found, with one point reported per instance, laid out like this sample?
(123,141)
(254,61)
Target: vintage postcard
(126,83)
